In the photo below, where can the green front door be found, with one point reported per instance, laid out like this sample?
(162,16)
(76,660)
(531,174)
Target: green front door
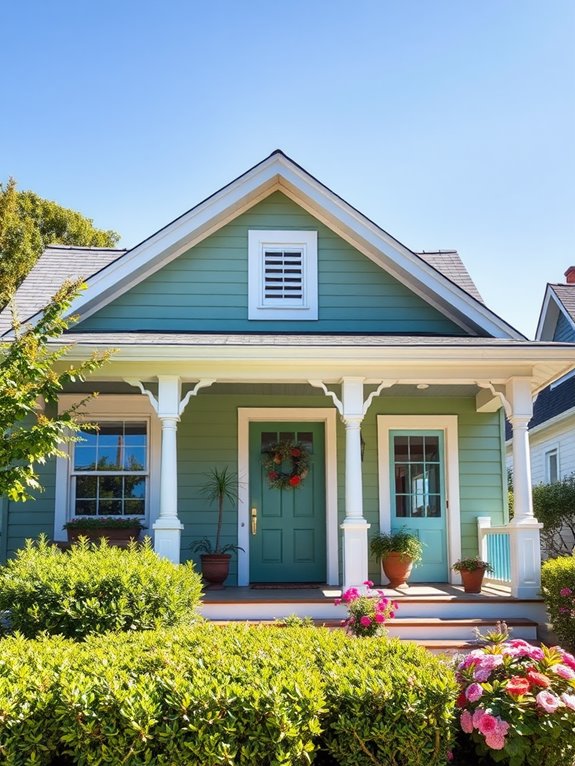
(287,525)
(418,497)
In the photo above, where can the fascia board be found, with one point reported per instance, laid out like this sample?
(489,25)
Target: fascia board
(279,172)
(548,315)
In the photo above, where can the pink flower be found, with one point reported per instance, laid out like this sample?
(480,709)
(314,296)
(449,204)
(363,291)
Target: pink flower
(568,700)
(563,671)
(565,592)
(473,692)
(486,666)
(538,679)
(466,721)
(502,727)
(478,717)
(549,702)
(488,724)
(569,659)
(495,741)
(365,621)
(369,583)
(337,602)
(379,618)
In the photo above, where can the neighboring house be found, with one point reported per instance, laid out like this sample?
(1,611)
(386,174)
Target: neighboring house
(274,311)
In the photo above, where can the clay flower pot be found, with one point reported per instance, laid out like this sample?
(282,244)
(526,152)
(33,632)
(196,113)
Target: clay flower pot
(472,581)
(215,569)
(397,569)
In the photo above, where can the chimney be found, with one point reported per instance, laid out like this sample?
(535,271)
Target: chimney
(570,275)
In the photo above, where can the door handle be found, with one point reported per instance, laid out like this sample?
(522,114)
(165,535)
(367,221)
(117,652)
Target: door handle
(254,515)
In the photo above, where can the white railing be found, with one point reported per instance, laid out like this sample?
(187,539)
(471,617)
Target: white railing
(495,547)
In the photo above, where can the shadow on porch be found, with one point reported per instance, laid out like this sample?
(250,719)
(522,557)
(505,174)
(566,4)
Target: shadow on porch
(437,614)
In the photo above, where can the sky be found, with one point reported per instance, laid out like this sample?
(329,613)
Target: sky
(450,123)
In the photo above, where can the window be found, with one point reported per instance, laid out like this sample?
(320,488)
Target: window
(552,465)
(282,275)
(109,473)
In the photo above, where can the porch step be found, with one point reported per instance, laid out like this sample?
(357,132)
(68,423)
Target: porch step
(436,633)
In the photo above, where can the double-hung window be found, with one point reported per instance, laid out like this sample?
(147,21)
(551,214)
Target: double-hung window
(552,465)
(109,472)
(282,269)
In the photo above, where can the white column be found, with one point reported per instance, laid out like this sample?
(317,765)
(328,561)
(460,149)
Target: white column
(524,527)
(168,527)
(354,526)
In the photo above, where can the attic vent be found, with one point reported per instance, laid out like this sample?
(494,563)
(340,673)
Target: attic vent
(283,275)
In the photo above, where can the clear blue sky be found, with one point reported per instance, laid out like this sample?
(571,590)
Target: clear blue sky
(451,123)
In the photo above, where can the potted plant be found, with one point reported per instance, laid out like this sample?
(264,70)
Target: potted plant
(118,530)
(472,571)
(220,485)
(397,552)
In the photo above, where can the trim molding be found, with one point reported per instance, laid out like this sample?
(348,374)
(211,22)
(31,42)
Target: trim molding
(325,415)
(449,425)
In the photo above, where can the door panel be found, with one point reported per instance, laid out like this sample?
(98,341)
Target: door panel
(289,544)
(418,497)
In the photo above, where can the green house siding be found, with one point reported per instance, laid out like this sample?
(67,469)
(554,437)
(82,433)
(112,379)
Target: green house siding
(207,436)
(206,288)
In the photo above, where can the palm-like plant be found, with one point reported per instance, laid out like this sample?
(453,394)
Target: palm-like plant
(220,485)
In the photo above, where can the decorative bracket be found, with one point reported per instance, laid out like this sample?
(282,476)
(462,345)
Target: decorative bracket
(497,394)
(204,383)
(138,384)
(339,404)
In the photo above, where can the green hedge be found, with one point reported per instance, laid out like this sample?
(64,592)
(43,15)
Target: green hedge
(94,588)
(209,695)
(558,587)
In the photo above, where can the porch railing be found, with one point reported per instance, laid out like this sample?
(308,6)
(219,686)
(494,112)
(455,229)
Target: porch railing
(495,547)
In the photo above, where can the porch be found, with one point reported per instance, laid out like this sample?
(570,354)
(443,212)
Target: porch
(436,614)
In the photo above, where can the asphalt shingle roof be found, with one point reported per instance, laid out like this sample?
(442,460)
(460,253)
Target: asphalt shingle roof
(449,263)
(566,294)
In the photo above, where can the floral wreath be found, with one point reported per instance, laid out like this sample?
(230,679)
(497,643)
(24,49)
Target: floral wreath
(279,453)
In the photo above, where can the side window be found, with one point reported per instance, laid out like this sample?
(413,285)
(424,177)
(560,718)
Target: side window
(551,465)
(282,275)
(109,470)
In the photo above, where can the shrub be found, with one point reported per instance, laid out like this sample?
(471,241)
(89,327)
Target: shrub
(93,588)
(517,704)
(554,507)
(366,612)
(210,695)
(558,587)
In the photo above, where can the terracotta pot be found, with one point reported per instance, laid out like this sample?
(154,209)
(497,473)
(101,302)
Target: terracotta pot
(215,569)
(112,534)
(472,580)
(397,569)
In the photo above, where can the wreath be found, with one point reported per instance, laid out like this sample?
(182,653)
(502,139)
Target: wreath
(284,452)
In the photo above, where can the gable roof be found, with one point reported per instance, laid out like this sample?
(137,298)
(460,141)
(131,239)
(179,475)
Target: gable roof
(558,299)
(422,274)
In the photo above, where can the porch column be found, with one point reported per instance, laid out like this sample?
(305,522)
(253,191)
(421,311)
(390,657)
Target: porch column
(167,527)
(354,526)
(524,527)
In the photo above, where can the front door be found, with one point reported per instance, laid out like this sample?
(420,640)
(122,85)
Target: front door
(287,524)
(418,497)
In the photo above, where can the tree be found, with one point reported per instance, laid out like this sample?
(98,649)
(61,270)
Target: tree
(28,224)
(29,377)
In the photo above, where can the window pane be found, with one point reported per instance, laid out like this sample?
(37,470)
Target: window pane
(84,458)
(305,438)
(401,448)
(135,459)
(134,508)
(287,436)
(267,439)
(415,448)
(432,473)
(110,458)
(85,508)
(110,508)
(110,486)
(86,486)
(88,437)
(134,487)
(434,506)
(135,433)
(402,506)
(401,474)
(432,448)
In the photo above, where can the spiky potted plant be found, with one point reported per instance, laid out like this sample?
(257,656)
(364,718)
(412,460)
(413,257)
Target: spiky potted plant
(220,485)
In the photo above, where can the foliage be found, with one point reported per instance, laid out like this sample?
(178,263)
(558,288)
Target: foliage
(275,459)
(27,377)
(103,522)
(403,542)
(208,695)
(367,612)
(220,485)
(558,588)
(471,565)
(93,588)
(517,703)
(28,224)
(554,507)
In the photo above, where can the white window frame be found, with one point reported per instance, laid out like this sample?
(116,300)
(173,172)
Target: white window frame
(260,308)
(551,451)
(114,408)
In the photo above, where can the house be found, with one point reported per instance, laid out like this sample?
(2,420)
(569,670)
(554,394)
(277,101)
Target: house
(275,314)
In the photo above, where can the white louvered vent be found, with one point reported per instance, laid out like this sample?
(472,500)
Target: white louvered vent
(283,275)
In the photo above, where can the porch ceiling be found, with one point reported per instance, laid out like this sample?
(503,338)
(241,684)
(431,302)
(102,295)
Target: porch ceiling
(405,360)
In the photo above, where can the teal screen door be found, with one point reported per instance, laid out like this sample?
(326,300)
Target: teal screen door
(418,497)
(287,526)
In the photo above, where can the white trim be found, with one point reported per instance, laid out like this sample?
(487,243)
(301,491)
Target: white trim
(449,425)
(551,449)
(109,407)
(278,172)
(325,415)
(551,308)
(260,308)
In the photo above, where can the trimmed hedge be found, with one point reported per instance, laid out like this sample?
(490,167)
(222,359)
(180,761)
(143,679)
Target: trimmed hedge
(94,588)
(558,587)
(209,695)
